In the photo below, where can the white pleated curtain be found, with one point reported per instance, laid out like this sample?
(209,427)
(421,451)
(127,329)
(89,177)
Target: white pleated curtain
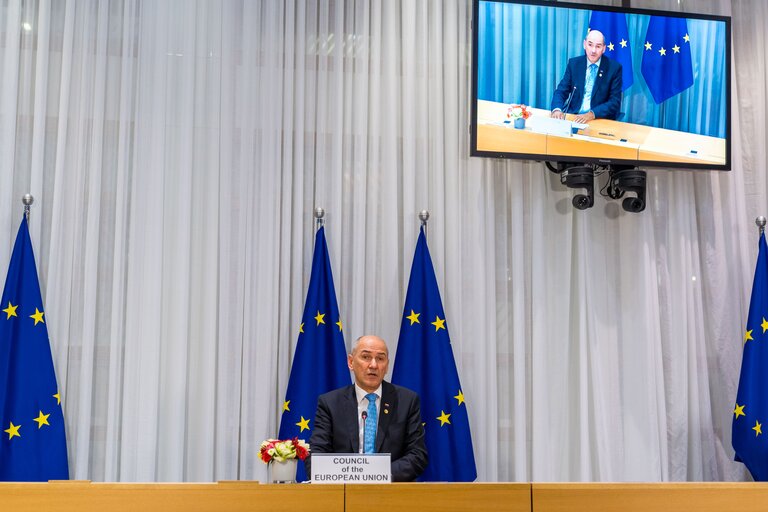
(176,150)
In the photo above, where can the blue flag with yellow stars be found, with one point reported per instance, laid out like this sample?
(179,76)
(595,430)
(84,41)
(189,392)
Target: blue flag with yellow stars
(425,364)
(751,409)
(320,360)
(613,25)
(667,64)
(33,444)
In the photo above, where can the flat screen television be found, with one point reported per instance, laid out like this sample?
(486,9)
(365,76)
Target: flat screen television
(659,91)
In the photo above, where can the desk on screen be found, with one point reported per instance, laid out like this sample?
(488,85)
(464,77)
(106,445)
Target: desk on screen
(604,138)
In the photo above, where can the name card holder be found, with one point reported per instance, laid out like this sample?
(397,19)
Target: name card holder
(363,468)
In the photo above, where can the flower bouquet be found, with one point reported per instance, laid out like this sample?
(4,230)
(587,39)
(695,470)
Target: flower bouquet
(280,450)
(518,114)
(282,455)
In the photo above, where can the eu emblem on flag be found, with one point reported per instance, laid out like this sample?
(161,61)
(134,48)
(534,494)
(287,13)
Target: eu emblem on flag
(320,360)
(751,409)
(613,25)
(33,445)
(667,65)
(425,364)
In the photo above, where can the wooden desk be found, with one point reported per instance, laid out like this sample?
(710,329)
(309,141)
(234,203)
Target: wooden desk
(656,497)
(439,497)
(604,138)
(84,496)
(427,497)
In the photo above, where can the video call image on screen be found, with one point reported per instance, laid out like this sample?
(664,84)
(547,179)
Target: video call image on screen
(656,84)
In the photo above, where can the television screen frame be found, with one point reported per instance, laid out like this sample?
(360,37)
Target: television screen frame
(599,158)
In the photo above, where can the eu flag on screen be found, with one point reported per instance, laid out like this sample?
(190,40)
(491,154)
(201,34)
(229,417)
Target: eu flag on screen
(751,411)
(425,364)
(667,65)
(613,25)
(33,443)
(320,360)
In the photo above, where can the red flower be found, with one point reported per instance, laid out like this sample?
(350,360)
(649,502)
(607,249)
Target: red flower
(301,452)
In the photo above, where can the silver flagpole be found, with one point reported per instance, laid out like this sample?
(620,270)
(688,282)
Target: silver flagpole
(319,214)
(27,200)
(424,217)
(760,221)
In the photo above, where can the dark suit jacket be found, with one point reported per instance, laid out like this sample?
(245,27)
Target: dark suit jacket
(606,93)
(400,433)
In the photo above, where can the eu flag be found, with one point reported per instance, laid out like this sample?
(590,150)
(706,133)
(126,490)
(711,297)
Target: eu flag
(33,446)
(667,65)
(751,409)
(425,364)
(613,25)
(320,360)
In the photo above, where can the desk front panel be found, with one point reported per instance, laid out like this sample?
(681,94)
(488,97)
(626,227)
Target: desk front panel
(84,496)
(656,497)
(440,497)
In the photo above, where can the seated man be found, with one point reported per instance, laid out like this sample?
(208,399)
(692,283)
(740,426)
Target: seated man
(369,410)
(591,86)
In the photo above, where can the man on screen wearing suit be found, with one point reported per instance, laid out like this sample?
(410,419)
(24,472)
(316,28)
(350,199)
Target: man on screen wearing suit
(377,415)
(591,86)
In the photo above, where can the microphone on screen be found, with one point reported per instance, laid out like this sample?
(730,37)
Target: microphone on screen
(568,101)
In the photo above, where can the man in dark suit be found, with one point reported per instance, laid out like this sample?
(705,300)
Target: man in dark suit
(591,86)
(352,416)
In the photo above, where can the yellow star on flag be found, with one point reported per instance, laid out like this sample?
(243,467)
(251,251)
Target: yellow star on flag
(319,318)
(748,336)
(13,430)
(301,328)
(444,418)
(676,49)
(340,325)
(460,397)
(286,405)
(758,428)
(623,43)
(739,411)
(10,310)
(303,424)
(38,316)
(42,419)
(610,47)
(648,46)
(686,38)
(764,325)
(439,323)
(414,317)
(57,396)
(662,52)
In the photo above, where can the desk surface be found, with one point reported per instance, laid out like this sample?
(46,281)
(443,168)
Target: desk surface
(83,496)
(603,138)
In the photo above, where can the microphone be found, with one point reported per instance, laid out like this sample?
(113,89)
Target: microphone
(364,416)
(568,101)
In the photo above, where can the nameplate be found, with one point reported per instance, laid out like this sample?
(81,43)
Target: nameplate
(550,126)
(336,468)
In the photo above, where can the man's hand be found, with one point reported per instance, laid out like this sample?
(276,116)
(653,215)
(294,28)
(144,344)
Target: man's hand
(557,114)
(584,118)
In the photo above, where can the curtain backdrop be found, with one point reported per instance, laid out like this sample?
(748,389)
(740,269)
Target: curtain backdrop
(177,148)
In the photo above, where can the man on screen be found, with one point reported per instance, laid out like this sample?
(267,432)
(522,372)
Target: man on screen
(371,416)
(591,86)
